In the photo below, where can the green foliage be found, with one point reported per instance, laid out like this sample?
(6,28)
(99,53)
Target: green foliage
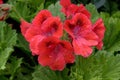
(19,12)
(22,43)
(23,8)
(116,14)
(93,11)
(4,55)
(112,37)
(8,39)
(11,68)
(99,66)
(43,73)
(49,2)
(56,10)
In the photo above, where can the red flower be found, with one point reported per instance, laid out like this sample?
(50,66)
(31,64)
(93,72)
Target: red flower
(29,30)
(80,28)
(43,24)
(99,29)
(70,9)
(55,53)
(50,27)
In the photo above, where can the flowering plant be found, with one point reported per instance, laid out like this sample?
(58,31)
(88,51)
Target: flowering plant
(63,41)
(45,31)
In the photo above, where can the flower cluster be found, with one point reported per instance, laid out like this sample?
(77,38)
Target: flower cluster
(45,31)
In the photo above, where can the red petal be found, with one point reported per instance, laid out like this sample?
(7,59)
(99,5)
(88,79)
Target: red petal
(24,26)
(41,17)
(34,44)
(87,42)
(89,39)
(90,36)
(46,49)
(83,10)
(99,29)
(31,32)
(68,25)
(81,19)
(100,45)
(45,59)
(68,52)
(65,3)
(47,44)
(81,49)
(59,63)
(71,11)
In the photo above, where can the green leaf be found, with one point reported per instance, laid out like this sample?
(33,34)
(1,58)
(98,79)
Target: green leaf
(3,78)
(112,37)
(37,4)
(18,12)
(8,36)
(4,55)
(44,73)
(12,67)
(22,43)
(8,39)
(49,2)
(23,8)
(99,66)
(21,76)
(18,69)
(116,14)
(93,11)
(56,10)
